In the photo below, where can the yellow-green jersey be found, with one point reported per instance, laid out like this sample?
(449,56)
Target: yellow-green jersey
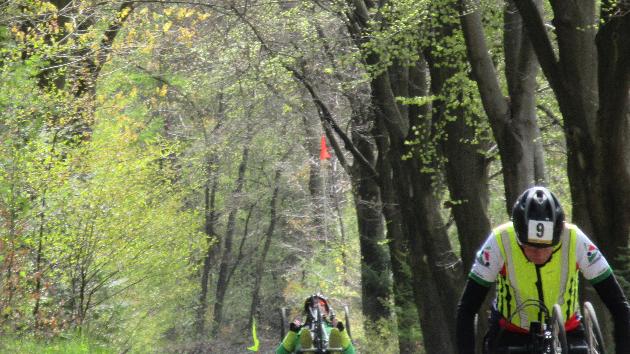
(502,260)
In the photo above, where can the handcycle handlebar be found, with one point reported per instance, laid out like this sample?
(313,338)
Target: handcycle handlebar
(555,329)
(547,337)
(518,349)
(320,351)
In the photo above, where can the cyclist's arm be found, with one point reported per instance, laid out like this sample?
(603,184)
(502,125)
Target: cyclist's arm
(597,271)
(349,350)
(469,304)
(282,350)
(484,272)
(612,295)
(346,342)
(288,343)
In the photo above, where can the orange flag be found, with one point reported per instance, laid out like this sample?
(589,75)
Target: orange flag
(323,151)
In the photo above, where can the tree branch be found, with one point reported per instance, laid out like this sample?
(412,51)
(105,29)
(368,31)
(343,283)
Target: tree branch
(484,73)
(550,115)
(324,114)
(336,147)
(537,32)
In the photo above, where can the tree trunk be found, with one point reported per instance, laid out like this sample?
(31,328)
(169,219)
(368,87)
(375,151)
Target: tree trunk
(513,121)
(316,180)
(210,213)
(404,291)
(613,133)
(422,224)
(227,245)
(596,125)
(375,270)
(211,217)
(273,205)
(591,86)
(521,70)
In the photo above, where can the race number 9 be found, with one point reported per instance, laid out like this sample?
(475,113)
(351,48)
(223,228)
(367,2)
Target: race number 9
(540,231)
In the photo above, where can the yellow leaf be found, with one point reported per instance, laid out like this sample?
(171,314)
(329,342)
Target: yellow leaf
(167,26)
(163,90)
(185,36)
(181,13)
(125,11)
(69,26)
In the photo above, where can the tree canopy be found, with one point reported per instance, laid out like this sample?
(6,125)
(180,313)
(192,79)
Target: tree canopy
(163,186)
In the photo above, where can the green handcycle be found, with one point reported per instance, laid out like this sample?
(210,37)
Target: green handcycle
(316,327)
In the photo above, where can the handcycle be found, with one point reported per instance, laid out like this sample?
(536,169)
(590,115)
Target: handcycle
(320,338)
(546,337)
(549,336)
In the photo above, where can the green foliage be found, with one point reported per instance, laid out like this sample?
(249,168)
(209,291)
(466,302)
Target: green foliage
(104,232)
(395,35)
(383,338)
(68,345)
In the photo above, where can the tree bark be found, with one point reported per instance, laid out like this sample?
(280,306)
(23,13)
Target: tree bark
(375,269)
(273,209)
(595,125)
(413,195)
(224,266)
(613,44)
(316,179)
(422,225)
(591,86)
(513,120)
(212,248)
(405,294)
(211,217)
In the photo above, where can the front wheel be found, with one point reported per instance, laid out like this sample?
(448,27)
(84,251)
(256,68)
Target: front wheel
(593,332)
(558,333)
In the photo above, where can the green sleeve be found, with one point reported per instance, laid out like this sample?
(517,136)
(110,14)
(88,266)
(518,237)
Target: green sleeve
(478,280)
(281,350)
(349,350)
(601,277)
(288,343)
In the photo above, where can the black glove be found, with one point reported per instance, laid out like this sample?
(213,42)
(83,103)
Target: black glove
(294,327)
(340,326)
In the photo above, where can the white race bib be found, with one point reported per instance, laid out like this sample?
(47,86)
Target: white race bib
(540,231)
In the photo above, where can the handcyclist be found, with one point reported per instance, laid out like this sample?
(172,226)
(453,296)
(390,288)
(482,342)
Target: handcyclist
(300,337)
(537,256)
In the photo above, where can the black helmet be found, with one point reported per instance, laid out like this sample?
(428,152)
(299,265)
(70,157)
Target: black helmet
(538,218)
(313,301)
